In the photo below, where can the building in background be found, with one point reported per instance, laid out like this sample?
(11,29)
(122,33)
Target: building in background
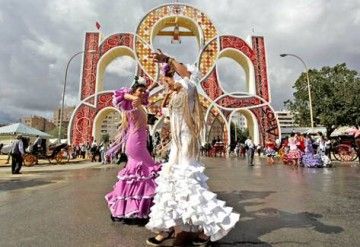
(288,125)
(110,124)
(240,121)
(286,119)
(66,117)
(38,122)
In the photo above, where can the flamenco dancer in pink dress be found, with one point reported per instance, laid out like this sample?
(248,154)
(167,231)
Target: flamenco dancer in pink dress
(133,193)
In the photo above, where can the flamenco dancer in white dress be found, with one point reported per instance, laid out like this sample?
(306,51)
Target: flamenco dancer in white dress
(183,202)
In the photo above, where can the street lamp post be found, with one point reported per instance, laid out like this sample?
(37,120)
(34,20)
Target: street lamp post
(63,93)
(308,83)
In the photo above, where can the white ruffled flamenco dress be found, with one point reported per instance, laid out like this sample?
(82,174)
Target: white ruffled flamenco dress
(182,197)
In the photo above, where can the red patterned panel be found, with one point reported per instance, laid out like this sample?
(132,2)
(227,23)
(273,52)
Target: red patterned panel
(89,65)
(81,125)
(83,120)
(262,84)
(104,100)
(231,102)
(268,125)
(237,43)
(211,86)
(120,39)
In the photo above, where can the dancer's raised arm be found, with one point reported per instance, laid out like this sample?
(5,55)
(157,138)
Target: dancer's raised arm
(179,68)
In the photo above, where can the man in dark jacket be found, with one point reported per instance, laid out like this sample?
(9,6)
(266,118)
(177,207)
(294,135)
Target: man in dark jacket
(17,152)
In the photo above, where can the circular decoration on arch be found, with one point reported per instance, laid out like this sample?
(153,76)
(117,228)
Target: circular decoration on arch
(145,31)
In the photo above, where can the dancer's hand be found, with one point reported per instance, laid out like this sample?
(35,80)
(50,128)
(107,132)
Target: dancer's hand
(168,91)
(159,57)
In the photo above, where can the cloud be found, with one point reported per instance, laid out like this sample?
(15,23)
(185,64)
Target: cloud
(123,66)
(38,37)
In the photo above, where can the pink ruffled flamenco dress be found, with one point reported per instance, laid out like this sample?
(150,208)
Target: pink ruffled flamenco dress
(133,193)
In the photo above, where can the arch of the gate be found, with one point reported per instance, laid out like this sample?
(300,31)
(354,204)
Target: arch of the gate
(251,121)
(99,118)
(98,54)
(106,59)
(96,58)
(268,123)
(253,61)
(245,63)
(216,127)
(82,120)
(215,124)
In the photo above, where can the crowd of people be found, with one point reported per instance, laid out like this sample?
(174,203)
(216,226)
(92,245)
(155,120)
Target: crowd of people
(95,152)
(297,149)
(306,150)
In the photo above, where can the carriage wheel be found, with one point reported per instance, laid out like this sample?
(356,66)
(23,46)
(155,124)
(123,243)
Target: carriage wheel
(62,157)
(30,160)
(345,153)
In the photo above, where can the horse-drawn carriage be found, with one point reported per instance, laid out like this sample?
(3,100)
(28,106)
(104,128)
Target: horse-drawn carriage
(59,153)
(344,148)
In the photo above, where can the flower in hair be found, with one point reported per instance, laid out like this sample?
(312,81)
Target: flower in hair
(141,80)
(164,69)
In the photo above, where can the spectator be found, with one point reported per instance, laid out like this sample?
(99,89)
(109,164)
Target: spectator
(250,147)
(83,150)
(93,151)
(259,149)
(213,141)
(17,151)
(237,149)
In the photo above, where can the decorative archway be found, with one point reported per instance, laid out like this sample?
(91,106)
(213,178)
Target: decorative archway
(99,120)
(255,102)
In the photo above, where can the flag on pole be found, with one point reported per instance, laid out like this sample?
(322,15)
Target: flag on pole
(98,26)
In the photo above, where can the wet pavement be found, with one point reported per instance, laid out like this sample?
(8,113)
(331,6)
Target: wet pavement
(279,206)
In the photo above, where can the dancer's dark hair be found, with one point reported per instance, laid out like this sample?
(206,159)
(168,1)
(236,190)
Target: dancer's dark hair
(137,85)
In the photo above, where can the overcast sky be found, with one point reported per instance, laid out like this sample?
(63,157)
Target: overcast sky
(38,37)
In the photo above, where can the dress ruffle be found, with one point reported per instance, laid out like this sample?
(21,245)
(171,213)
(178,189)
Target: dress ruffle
(182,199)
(270,152)
(120,101)
(134,191)
(311,160)
(294,154)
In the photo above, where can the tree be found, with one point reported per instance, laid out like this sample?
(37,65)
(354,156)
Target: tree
(241,135)
(55,132)
(335,98)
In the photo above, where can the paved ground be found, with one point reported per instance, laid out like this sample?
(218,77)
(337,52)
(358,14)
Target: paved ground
(279,205)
